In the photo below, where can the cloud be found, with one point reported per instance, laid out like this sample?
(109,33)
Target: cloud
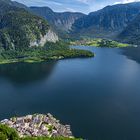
(84,6)
(70,9)
(84,1)
(126,1)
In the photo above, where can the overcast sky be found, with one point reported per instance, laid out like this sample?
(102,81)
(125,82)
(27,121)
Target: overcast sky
(84,6)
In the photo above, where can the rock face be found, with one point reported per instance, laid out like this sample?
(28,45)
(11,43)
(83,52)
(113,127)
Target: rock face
(50,36)
(131,34)
(21,29)
(38,125)
(60,21)
(107,22)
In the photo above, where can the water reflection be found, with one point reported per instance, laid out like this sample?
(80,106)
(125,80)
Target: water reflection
(25,73)
(132,53)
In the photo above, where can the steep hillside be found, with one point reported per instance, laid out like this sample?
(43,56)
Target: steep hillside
(21,29)
(131,34)
(60,21)
(107,22)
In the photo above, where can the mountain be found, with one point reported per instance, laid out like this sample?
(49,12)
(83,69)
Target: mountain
(131,34)
(32,26)
(20,29)
(107,22)
(6,5)
(60,21)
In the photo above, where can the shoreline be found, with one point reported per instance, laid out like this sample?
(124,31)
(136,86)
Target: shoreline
(75,53)
(31,61)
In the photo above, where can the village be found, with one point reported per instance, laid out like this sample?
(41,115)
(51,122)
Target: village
(38,125)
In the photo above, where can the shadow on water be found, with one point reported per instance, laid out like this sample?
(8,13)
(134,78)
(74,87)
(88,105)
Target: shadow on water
(25,73)
(132,53)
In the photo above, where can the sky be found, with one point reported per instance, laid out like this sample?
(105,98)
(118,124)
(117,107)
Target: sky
(84,6)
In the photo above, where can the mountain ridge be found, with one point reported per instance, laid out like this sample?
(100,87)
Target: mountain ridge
(61,21)
(107,22)
(110,22)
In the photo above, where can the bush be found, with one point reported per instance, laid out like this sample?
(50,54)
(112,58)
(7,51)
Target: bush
(8,133)
(45,138)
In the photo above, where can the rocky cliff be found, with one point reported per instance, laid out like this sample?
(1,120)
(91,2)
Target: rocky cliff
(60,21)
(107,22)
(50,36)
(131,34)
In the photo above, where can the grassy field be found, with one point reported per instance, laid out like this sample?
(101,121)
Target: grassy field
(97,42)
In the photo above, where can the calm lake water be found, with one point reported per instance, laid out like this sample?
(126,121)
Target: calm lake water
(99,97)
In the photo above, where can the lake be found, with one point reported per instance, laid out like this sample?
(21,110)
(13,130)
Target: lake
(99,97)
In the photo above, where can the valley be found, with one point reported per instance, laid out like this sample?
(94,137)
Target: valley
(81,67)
(24,42)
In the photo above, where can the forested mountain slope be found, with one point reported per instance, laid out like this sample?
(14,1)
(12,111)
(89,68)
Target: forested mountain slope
(20,28)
